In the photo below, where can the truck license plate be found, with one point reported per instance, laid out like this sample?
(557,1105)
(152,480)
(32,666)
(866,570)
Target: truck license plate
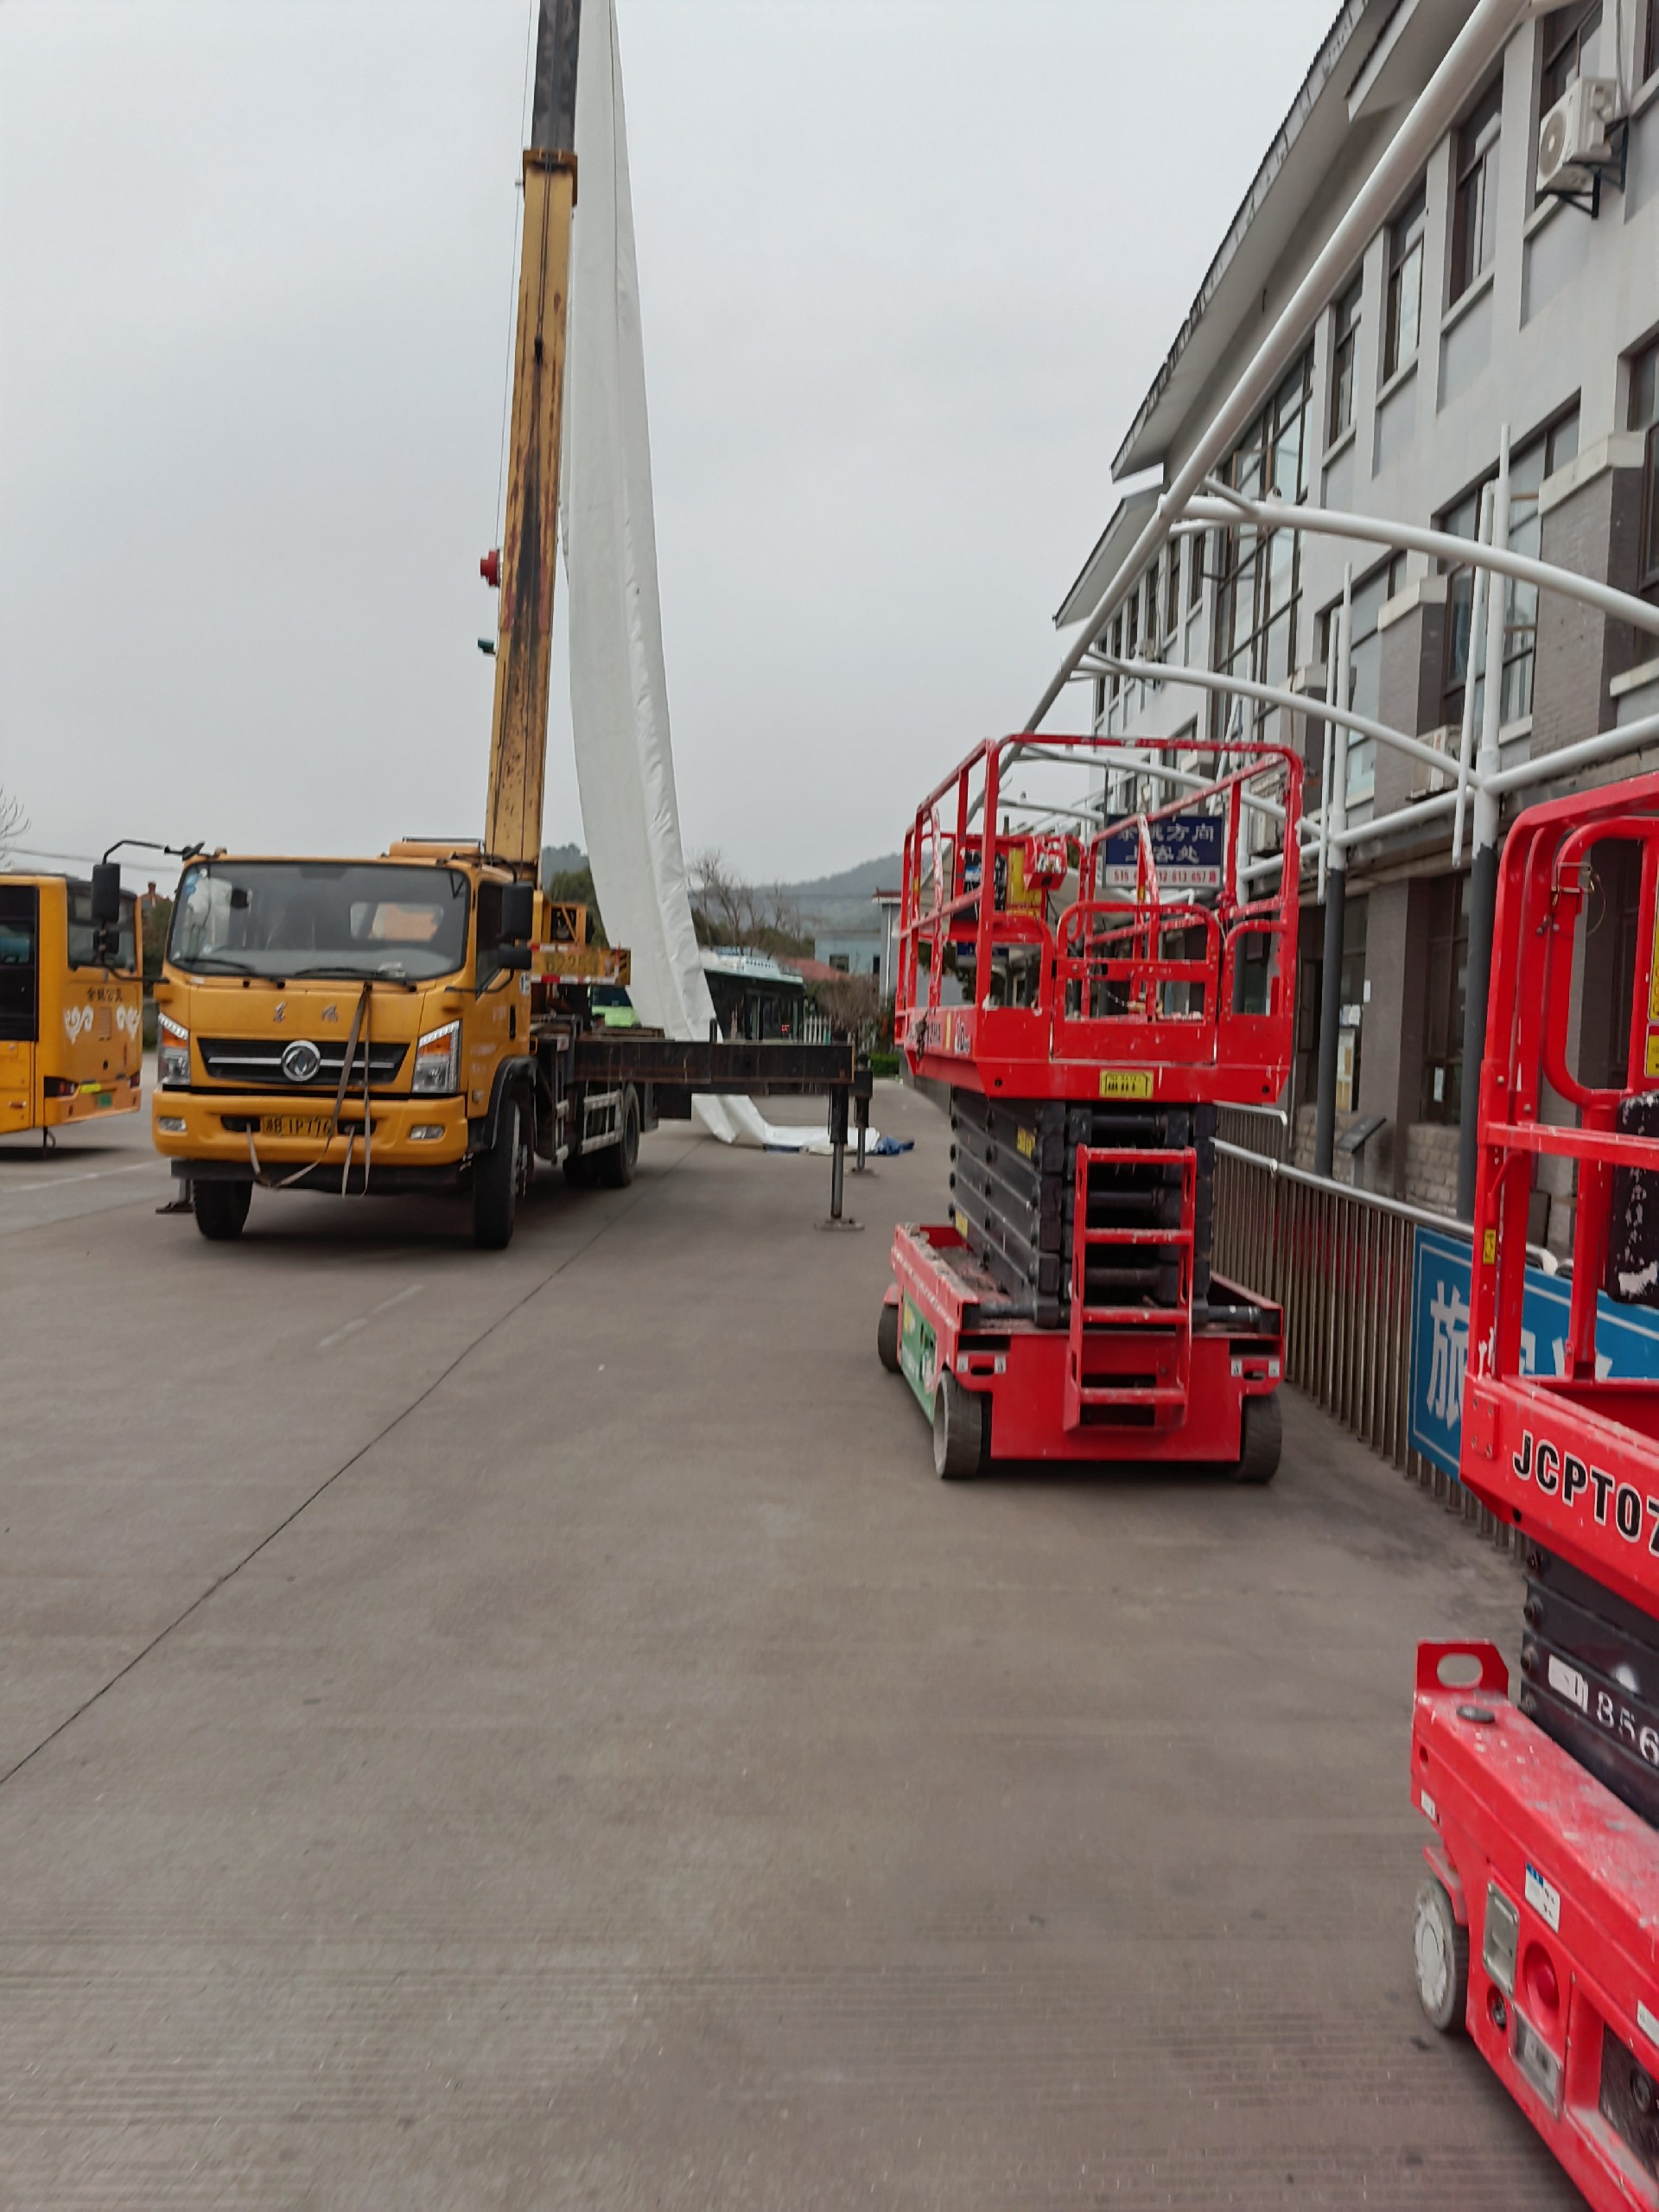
(295,1125)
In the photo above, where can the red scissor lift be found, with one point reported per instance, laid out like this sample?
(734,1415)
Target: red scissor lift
(1089,998)
(1539,1929)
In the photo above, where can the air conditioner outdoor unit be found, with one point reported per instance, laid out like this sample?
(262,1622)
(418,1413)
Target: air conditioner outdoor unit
(1573,143)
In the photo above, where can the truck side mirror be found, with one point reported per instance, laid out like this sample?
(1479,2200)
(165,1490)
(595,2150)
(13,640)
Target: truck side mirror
(106,894)
(518,913)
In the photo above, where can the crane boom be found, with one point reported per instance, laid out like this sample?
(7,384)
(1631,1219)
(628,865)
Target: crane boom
(530,539)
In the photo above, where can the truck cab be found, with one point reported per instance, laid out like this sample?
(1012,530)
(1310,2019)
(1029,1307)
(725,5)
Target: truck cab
(71,1008)
(395,1025)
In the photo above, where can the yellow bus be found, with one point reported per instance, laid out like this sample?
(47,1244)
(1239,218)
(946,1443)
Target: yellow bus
(71,1003)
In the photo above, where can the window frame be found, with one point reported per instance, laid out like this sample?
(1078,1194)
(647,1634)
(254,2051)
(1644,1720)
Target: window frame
(1347,316)
(1647,545)
(1251,558)
(1557,37)
(1407,237)
(1476,152)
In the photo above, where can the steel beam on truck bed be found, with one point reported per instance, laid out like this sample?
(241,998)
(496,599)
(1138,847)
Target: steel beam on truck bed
(606,1057)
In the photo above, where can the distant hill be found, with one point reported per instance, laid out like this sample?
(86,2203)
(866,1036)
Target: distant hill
(830,904)
(843,902)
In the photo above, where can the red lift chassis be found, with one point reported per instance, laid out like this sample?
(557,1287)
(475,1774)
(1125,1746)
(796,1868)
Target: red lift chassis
(1539,1928)
(1092,979)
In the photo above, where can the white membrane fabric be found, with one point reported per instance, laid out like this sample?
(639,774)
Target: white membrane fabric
(619,687)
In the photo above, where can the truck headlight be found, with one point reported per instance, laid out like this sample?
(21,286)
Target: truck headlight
(172,1054)
(437,1059)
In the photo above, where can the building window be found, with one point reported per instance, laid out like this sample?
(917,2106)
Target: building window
(1528,466)
(1644,415)
(1405,315)
(1150,586)
(1195,572)
(1572,48)
(1344,341)
(1172,587)
(1260,580)
(1365,669)
(1474,206)
(1131,626)
(1651,49)
(1448,972)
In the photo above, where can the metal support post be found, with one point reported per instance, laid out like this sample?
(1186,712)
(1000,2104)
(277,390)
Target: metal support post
(1334,802)
(863,1087)
(1482,891)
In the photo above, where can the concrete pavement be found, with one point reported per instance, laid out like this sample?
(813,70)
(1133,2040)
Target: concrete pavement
(530,1730)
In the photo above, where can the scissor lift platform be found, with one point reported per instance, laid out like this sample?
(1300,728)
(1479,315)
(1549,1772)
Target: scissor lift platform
(1090,996)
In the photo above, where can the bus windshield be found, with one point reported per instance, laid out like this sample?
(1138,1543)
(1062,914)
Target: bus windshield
(291,919)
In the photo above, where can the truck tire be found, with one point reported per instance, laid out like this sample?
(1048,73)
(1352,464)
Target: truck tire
(887,1338)
(1440,1956)
(221,1209)
(1263,1441)
(959,1430)
(496,1177)
(617,1162)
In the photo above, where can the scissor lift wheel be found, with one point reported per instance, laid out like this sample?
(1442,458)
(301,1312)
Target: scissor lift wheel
(959,1430)
(1441,1953)
(1262,1442)
(886,1338)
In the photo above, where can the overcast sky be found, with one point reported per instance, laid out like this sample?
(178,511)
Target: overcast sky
(906,267)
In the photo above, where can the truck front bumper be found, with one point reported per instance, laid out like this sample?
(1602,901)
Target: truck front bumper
(229,1135)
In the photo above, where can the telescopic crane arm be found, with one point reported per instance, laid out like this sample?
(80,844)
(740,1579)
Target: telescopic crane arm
(523,568)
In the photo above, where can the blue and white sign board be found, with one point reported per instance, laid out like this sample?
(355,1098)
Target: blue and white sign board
(1186,851)
(1627,1339)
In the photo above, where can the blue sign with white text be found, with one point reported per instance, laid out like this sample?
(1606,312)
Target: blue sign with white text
(1186,850)
(1627,1339)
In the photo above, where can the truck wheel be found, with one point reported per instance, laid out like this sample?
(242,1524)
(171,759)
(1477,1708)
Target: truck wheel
(1440,1951)
(496,1177)
(1263,1441)
(617,1162)
(221,1209)
(887,1338)
(959,1430)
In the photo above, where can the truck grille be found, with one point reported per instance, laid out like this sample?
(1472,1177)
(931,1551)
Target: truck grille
(258,1062)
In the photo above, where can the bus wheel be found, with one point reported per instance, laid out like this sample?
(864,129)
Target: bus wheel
(221,1209)
(496,1177)
(618,1160)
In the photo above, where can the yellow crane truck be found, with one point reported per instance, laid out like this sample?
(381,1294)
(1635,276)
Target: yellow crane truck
(420,1020)
(70,1001)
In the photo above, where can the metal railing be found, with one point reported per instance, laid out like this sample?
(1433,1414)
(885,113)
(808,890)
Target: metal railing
(1339,1263)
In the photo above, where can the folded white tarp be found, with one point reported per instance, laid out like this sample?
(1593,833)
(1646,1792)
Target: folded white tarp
(619,689)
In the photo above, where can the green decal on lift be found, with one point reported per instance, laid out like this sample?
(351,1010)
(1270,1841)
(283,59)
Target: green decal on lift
(916,1354)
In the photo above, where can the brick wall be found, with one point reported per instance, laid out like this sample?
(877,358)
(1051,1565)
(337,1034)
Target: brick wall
(1432,1167)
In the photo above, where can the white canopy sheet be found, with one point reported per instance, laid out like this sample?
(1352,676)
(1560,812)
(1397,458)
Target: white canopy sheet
(619,687)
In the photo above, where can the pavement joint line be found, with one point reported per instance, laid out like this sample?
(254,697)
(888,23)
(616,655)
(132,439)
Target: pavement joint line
(350,1328)
(535,1291)
(90,1175)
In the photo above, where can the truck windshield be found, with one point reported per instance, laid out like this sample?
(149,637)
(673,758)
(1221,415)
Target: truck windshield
(339,917)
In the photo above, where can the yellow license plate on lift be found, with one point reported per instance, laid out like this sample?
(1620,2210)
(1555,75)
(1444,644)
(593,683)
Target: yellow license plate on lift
(317,1126)
(1126,1082)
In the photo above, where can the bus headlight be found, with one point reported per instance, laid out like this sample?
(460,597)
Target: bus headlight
(437,1059)
(172,1054)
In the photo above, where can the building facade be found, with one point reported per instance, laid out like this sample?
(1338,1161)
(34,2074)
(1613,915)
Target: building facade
(1484,302)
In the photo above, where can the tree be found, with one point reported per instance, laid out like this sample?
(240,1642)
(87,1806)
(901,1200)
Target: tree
(726,911)
(14,822)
